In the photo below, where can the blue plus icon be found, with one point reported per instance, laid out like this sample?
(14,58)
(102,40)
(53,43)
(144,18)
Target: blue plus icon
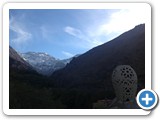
(147,99)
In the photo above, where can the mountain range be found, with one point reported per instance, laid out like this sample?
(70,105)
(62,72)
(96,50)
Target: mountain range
(42,62)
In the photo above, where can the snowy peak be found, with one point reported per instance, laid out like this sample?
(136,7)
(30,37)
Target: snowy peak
(33,58)
(42,62)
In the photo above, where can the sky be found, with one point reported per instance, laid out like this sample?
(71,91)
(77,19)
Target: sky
(64,33)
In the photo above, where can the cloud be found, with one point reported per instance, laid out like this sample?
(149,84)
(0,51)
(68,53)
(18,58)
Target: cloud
(89,41)
(116,22)
(74,32)
(67,54)
(22,35)
(122,21)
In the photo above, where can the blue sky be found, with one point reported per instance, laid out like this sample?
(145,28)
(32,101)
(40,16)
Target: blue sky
(65,33)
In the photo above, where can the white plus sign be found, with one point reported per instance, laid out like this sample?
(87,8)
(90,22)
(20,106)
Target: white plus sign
(147,99)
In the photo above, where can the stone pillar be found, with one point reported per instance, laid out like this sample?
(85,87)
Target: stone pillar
(124,80)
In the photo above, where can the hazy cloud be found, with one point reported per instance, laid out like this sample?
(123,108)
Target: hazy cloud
(21,34)
(122,21)
(74,32)
(90,41)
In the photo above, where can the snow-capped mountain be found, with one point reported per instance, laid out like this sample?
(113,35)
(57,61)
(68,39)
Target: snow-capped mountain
(42,62)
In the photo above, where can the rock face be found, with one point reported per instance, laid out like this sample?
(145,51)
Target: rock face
(42,62)
(93,70)
(16,62)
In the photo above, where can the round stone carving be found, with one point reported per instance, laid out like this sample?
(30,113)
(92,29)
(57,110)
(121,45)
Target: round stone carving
(124,80)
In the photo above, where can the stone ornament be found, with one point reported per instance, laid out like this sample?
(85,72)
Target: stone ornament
(124,80)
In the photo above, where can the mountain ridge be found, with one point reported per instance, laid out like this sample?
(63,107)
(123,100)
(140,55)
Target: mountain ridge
(93,69)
